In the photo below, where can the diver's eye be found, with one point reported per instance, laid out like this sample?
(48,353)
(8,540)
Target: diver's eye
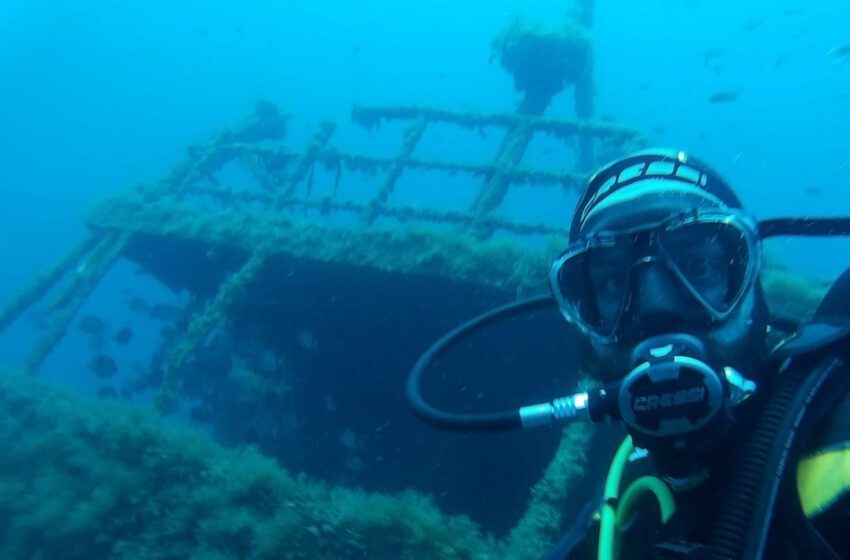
(701,268)
(611,284)
(608,271)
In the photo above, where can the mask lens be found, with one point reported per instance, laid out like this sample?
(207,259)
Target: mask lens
(711,259)
(593,283)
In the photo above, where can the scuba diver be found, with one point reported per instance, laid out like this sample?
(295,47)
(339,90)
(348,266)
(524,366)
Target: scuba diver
(738,422)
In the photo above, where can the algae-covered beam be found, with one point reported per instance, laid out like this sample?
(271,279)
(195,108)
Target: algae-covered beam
(543,520)
(46,281)
(331,159)
(415,250)
(93,266)
(495,186)
(65,306)
(411,138)
(369,117)
(204,322)
(304,162)
(204,165)
(327,205)
(217,308)
(266,122)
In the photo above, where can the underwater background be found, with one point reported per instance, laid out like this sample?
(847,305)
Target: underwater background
(308,370)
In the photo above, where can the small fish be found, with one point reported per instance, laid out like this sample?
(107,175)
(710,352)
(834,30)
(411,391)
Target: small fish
(710,54)
(103,366)
(91,324)
(813,190)
(781,59)
(755,23)
(726,96)
(791,12)
(355,50)
(124,335)
(841,52)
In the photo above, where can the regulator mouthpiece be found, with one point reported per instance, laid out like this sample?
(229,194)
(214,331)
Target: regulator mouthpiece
(671,390)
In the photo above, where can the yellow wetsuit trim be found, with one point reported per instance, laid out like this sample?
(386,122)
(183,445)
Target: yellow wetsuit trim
(822,479)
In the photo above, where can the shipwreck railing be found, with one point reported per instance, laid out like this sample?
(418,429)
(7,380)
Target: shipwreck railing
(278,171)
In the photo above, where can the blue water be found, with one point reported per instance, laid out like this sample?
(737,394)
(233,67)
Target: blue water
(96,96)
(99,95)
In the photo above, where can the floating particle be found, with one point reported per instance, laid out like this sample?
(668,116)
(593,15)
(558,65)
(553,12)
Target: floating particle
(724,96)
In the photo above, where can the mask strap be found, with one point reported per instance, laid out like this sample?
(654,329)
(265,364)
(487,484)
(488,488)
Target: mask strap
(815,227)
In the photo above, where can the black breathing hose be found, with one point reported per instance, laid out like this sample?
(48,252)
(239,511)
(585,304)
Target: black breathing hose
(746,510)
(481,422)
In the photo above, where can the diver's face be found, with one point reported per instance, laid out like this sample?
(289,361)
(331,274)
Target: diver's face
(659,304)
(628,290)
(626,279)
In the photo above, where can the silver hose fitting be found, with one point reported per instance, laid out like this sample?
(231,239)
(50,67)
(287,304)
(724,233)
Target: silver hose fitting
(563,409)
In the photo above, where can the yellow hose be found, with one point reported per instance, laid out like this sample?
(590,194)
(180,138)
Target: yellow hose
(613,514)
(608,512)
(641,486)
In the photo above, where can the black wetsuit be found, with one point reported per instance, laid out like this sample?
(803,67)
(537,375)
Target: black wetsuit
(792,535)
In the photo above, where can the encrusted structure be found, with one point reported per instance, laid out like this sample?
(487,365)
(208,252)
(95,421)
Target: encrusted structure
(261,219)
(202,501)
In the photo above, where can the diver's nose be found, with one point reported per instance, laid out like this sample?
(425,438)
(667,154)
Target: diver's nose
(656,292)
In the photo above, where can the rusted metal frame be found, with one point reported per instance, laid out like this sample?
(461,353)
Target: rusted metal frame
(304,163)
(42,284)
(331,159)
(495,187)
(370,117)
(326,205)
(68,303)
(412,136)
(201,325)
(217,308)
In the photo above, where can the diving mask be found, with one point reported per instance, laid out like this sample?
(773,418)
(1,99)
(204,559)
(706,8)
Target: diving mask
(713,255)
